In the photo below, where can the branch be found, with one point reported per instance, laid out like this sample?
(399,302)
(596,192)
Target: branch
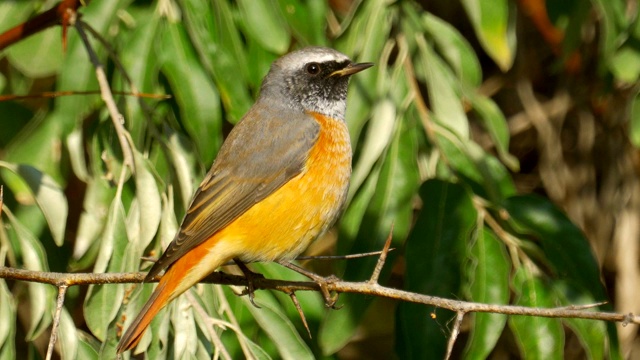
(364,288)
(59,14)
(107,96)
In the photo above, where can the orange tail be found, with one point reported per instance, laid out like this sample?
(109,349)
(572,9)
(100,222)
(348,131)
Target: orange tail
(159,299)
(181,275)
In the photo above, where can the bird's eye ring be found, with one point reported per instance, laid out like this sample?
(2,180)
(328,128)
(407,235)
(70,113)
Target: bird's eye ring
(313,68)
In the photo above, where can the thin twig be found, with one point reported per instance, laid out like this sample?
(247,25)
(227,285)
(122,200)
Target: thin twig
(342,257)
(383,257)
(215,338)
(225,308)
(296,303)
(304,258)
(55,94)
(62,291)
(455,331)
(107,96)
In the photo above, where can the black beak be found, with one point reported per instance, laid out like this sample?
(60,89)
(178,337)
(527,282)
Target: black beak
(351,69)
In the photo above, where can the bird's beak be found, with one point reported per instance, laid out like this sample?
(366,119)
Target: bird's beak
(351,69)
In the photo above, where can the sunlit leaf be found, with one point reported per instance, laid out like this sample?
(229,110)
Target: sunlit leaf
(491,23)
(49,196)
(41,296)
(8,326)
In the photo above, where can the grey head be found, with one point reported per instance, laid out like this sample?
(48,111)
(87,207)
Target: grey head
(311,79)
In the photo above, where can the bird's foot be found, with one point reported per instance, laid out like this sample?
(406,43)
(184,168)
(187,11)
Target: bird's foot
(250,276)
(323,282)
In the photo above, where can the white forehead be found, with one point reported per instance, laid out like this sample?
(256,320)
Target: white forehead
(296,59)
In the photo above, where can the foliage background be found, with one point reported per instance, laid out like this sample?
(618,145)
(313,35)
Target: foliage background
(498,138)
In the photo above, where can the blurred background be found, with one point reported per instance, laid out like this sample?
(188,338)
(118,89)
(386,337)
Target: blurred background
(498,141)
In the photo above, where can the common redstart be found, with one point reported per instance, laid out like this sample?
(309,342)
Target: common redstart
(279,181)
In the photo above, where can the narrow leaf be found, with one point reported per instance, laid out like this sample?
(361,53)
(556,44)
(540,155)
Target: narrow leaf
(487,282)
(434,258)
(49,196)
(490,21)
(537,337)
(264,24)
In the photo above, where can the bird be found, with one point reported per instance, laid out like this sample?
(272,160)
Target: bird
(279,181)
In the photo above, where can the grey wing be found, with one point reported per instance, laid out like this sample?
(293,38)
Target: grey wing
(258,157)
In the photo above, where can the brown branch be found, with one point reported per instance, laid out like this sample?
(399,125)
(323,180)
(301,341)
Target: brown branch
(454,333)
(107,96)
(62,292)
(59,14)
(363,288)
(383,257)
(54,94)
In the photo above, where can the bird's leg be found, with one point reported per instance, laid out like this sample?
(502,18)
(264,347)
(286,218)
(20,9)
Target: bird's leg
(250,276)
(330,301)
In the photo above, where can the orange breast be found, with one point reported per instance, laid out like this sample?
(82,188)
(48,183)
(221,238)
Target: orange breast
(284,224)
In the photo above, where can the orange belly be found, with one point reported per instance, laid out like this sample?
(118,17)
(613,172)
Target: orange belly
(287,221)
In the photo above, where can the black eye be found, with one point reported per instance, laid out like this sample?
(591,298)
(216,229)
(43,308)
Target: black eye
(313,68)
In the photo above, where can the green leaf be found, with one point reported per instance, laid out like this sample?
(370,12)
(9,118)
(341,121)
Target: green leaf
(49,196)
(537,337)
(141,63)
(8,325)
(565,248)
(494,121)
(13,13)
(103,301)
(263,23)
(39,55)
(97,199)
(625,64)
(185,337)
(613,21)
(634,121)
(217,40)
(454,48)
(88,347)
(563,243)
(484,173)
(41,296)
(75,147)
(149,206)
(197,96)
(487,281)
(80,74)
(67,336)
(592,334)
(379,135)
(364,40)
(490,21)
(278,326)
(434,257)
(443,90)
(306,20)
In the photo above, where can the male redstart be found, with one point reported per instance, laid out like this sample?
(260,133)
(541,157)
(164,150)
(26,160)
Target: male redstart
(279,181)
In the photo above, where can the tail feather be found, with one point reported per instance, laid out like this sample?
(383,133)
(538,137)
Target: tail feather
(158,300)
(181,275)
